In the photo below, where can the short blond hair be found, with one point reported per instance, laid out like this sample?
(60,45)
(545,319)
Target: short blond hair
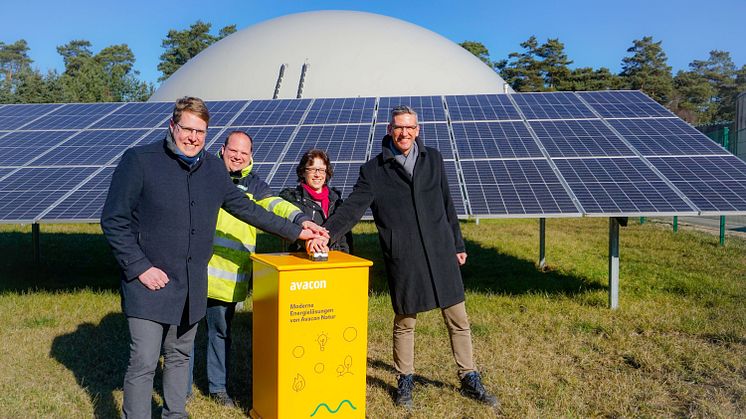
(194,105)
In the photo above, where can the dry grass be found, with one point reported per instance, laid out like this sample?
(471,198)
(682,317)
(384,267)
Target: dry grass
(545,341)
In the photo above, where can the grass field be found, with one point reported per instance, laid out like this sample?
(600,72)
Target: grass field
(545,341)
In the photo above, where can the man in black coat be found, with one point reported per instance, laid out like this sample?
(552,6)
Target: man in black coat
(159,219)
(406,188)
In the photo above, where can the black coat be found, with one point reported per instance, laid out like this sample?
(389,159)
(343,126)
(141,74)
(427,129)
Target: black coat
(417,227)
(162,213)
(299,197)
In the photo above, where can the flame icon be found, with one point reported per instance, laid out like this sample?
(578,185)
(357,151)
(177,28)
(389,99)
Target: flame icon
(299,383)
(322,340)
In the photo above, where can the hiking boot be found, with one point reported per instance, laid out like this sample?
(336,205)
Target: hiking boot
(471,386)
(223,399)
(404,392)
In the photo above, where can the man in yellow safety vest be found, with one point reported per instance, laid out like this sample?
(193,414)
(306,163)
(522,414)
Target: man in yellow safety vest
(229,269)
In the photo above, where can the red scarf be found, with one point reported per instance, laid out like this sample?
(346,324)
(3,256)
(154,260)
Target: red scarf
(322,197)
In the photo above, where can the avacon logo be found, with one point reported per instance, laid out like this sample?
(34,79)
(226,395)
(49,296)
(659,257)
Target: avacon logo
(307,285)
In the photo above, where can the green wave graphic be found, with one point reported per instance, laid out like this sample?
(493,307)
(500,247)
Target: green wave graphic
(332,411)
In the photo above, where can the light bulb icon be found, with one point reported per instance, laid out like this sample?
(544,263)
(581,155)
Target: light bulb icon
(322,340)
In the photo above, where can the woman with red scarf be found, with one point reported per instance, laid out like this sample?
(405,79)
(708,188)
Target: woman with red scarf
(314,196)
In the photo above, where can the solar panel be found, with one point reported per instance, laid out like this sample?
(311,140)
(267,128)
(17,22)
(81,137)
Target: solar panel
(73,116)
(429,108)
(516,188)
(154,136)
(555,105)
(481,108)
(665,137)
(498,168)
(93,147)
(341,142)
(5,171)
(272,112)
(504,139)
(268,141)
(15,116)
(19,147)
(28,192)
(610,104)
(284,177)
(451,172)
(579,138)
(263,170)
(85,203)
(221,112)
(28,110)
(138,115)
(712,183)
(341,111)
(607,186)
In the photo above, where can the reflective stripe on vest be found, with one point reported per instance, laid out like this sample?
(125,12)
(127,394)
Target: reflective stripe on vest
(229,276)
(273,204)
(232,244)
(294,214)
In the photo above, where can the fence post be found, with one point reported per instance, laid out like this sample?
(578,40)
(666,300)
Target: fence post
(726,134)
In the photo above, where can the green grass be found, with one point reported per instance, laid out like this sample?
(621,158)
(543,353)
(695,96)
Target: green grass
(545,341)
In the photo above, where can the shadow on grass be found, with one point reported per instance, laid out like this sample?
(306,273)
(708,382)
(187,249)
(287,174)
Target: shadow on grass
(97,356)
(486,270)
(75,261)
(67,262)
(391,389)
(240,369)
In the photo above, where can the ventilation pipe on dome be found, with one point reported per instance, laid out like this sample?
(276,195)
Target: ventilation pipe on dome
(302,79)
(279,81)
(505,88)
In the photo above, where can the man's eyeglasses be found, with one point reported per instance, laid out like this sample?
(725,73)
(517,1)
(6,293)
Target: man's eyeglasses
(193,131)
(316,171)
(400,128)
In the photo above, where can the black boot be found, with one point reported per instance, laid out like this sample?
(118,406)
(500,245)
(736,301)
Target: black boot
(471,386)
(404,392)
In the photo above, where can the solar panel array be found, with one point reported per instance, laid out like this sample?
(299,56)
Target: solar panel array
(610,153)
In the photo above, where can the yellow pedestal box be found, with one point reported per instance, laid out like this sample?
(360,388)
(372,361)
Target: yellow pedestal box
(310,336)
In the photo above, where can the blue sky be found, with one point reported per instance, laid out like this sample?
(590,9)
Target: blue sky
(595,33)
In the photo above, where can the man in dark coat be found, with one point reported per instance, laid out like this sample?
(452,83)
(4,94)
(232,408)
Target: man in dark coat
(159,218)
(406,188)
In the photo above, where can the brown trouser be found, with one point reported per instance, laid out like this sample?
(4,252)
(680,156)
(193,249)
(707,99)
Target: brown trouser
(458,329)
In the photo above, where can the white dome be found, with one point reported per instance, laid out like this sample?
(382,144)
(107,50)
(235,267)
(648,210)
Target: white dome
(348,54)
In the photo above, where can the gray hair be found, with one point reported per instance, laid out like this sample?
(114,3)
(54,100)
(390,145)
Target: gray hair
(402,109)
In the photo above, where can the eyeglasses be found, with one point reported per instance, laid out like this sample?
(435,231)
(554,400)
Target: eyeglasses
(316,170)
(400,128)
(193,131)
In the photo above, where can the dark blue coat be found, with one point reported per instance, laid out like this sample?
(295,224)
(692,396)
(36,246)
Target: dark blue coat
(162,213)
(417,227)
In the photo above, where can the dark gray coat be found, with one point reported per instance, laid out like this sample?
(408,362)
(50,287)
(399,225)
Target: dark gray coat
(162,213)
(417,227)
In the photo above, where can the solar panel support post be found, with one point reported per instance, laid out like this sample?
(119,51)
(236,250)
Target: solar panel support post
(675,223)
(613,263)
(35,242)
(542,254)
(722,230)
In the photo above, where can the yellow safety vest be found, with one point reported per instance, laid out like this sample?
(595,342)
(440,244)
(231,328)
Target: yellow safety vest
(229,269)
